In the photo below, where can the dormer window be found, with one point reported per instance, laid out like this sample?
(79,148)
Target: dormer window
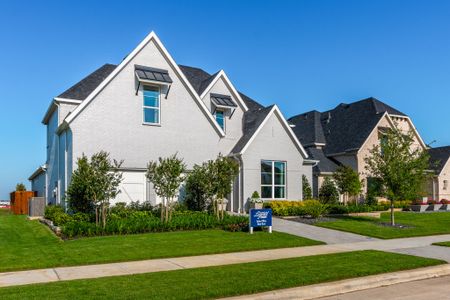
(222,105)
(220,118)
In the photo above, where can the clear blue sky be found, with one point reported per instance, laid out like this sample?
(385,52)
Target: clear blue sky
(302,55)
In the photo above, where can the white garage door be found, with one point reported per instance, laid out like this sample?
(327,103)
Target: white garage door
(132,188)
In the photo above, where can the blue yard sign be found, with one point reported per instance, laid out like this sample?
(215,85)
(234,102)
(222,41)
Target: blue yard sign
(260,217)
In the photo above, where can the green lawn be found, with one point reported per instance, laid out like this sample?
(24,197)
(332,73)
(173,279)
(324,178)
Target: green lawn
(444,244)
(421,224)
(223,281)
(30,245)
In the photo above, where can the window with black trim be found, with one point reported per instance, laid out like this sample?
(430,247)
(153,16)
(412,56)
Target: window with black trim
(151,104)
(273,179)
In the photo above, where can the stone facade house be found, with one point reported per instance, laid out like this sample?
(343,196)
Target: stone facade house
(440,163)
(345,134)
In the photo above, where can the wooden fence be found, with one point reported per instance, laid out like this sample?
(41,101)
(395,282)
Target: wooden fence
(19,202)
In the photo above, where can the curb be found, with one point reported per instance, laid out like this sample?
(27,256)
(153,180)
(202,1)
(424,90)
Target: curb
(351,285)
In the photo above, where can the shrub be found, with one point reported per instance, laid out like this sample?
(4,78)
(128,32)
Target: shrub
(255,195)
(52,210)
(198,188)
(284,207)
(20,187)
(144,221)
(306,188)
(328,193)
(314,208)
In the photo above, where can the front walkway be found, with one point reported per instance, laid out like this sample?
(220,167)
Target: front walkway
(168,264)
(326,235)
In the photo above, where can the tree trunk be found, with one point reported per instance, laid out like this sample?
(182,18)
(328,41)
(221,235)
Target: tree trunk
(170,211)
(96,215)
(167,210)
(162,210)
(104,215)
(392,213)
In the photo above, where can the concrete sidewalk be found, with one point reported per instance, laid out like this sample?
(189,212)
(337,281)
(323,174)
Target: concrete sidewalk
(168,264)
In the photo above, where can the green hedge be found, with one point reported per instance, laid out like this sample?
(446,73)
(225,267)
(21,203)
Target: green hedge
(143,222)
(298,208)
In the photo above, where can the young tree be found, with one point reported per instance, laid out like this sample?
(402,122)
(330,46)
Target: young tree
(399,166)
(167,176)
(94,184)
(222,171)
(78,197)
(328,193)
(306,188)
(105,181)
(347,181)
(20,187)
(198,188)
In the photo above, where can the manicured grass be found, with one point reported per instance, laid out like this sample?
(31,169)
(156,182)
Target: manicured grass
(444,244)
(421,224)
(223,281)
(30,245)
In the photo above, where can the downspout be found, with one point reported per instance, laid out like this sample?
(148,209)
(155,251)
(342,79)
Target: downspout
(238,157)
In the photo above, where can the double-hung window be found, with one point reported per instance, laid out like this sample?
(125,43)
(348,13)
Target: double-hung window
(220,118)
(273,179)
(151,105)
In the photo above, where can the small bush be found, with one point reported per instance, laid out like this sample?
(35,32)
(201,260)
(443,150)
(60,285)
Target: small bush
(52,210)
(328,193)
(284,208)
(20,187)
(314,208)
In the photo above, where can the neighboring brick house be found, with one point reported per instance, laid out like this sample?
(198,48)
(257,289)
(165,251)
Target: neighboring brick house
(440,163)
(148,107)
(345,135)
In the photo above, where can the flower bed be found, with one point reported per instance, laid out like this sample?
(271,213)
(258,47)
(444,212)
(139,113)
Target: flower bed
(126,221)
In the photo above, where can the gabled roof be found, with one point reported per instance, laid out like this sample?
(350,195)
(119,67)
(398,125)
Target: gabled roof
(439,156)
(255,120)
(88,84)
(344,128)
(198,78)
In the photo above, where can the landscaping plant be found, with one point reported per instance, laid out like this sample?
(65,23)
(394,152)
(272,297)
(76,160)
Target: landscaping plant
(223,171)
(20,187)
(348,182)
(306,188)
(328,193)
(167,176)
(198,188)
(399,165)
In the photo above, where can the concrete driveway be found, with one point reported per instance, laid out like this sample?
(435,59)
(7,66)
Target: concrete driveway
(428,289)
(326,235)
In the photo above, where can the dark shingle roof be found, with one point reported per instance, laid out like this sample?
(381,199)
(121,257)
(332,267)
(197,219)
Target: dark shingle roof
(439,157)
(325,165)
(310,129)
(87,85)
(252,120)
(198,78)
(344,128)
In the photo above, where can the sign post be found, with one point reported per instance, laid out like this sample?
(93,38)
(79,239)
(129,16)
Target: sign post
(260,218)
